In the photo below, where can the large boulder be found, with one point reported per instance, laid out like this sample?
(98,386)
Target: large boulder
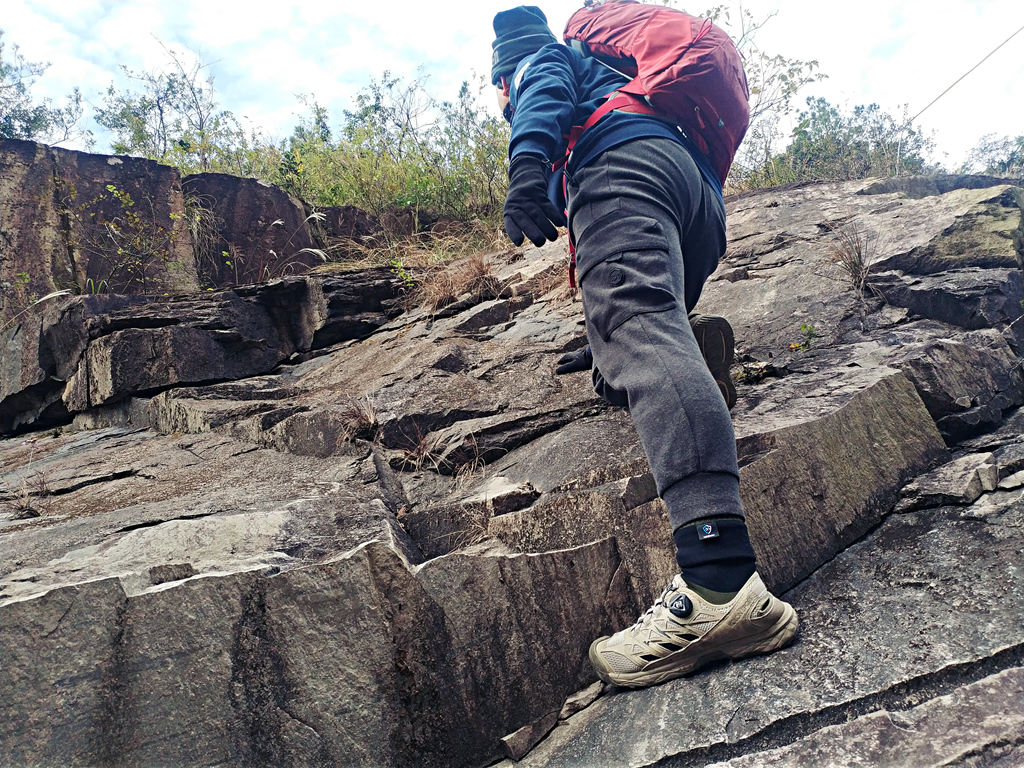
(252,232)
(89,223)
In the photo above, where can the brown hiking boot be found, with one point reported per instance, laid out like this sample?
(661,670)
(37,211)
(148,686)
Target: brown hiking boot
(682,632)
(716,341)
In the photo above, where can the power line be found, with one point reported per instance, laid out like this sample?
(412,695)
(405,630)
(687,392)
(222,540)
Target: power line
(965,74)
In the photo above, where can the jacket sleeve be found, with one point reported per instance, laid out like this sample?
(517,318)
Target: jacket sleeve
(544,95)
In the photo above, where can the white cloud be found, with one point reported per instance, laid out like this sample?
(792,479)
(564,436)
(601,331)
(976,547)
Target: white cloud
(263,54)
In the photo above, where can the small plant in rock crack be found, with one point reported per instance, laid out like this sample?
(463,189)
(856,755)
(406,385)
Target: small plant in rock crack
(427,451)
(271,265)
(121,236)
(25,499)
(752,373)
(474,530)
(268,264)
(856,250)
(204,228)
(470,469)
(809,333)
(360,417)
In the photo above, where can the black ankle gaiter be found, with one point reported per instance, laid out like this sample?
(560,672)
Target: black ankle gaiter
(715,553)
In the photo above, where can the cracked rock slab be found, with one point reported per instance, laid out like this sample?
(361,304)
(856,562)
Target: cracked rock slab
(984,716)
(812,486)
(927,601)
(121,502)
(84,352)
(960,481)
(359,660)
(966,384)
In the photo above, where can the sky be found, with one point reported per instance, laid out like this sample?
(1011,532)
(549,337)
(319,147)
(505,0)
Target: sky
(264,56)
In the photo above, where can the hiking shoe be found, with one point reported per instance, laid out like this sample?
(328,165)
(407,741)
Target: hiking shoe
(716,341)
(682,632)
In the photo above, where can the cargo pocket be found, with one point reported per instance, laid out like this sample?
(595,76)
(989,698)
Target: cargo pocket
(632,279)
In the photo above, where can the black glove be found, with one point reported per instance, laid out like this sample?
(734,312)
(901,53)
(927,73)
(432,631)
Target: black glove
(527,208)
(580,360)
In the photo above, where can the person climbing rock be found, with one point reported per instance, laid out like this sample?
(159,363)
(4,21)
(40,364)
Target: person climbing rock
(646,215)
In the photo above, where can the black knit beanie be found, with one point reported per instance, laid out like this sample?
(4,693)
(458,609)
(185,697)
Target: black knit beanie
(519,32)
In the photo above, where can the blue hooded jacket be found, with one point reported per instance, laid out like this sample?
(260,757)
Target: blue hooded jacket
(558,88)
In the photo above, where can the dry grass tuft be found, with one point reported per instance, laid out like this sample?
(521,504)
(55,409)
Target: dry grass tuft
(427,453)
(360,416)
(27,499)
(855,250)
(441,284)
(554,280)
(429,252)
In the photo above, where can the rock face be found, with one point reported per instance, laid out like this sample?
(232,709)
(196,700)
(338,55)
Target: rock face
(296,525)
(99,224)
(256,232)
(91,223)
(276,674)
(78,353)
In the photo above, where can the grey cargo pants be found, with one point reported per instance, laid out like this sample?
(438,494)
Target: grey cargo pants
(649,232)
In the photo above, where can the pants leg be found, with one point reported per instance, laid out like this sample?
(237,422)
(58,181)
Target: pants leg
(648,234)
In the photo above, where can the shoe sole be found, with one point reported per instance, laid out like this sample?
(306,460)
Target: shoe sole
(717,343)
(693,658)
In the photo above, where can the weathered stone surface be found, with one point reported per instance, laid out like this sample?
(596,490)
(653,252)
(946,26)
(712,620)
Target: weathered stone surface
(576,517)
(784,243)
(34,258)
(969,298)
(966,384)
(54,208)
(443,528)
(349,222)
(78,353)
(961,481)
(925,603)
(586,453)
(61,675)
(581,700)
(985,236)
(120,502)
(236,530)
(245,668)
(227,336)
(916,187)
(810,489)
(42,352)
(261,232)
(823,459)
(931,734)
(522,741)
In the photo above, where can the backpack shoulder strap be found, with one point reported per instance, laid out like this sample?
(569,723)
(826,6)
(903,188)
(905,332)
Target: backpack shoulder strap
(627,102)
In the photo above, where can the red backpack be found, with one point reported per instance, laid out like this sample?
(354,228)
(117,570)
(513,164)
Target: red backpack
(683,68)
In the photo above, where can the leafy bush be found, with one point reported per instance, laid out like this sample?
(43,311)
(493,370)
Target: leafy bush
(401,149)
(998,156)
(122,239)
(830,145)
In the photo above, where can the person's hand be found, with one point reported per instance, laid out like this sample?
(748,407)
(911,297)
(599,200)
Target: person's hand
(527,208)
(580,360)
